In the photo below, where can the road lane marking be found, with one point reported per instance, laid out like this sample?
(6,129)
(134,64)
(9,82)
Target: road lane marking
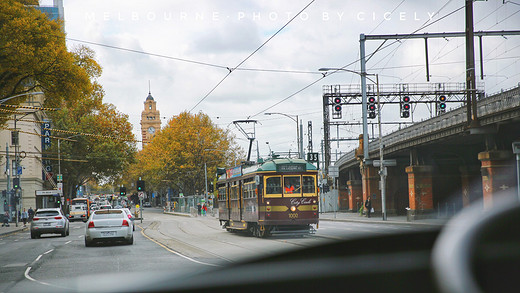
(38,258)
(49,251)
(26,274)
(175,252)
(68,242)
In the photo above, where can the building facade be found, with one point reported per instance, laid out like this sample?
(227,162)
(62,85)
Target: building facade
(23,155)
(150,120)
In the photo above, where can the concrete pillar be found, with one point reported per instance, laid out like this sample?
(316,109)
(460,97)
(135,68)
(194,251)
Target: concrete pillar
(420,190)
(468,188)
(498,174)
(355,194)
(371,178)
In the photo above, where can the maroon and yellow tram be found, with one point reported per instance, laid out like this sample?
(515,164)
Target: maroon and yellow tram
(276,196)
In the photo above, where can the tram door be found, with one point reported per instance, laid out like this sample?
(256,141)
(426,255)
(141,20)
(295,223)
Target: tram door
(234,201)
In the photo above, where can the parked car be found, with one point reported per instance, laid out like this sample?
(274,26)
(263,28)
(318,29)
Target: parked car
(109,225)
(49,221)
(147,204)
(105,207)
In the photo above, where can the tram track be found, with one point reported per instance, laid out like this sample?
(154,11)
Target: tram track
(171,241)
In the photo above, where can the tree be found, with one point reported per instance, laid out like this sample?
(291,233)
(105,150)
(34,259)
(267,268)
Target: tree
(102,143)
(177,154)
(34,57)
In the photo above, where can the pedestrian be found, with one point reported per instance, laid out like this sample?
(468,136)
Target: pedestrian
(199,209)
(30,212)
(368,206)
(204,209)
(25,215)
(6,219)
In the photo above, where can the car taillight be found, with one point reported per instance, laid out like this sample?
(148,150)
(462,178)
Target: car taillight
(90,224)
(57,218)
(35,219)
(125,223)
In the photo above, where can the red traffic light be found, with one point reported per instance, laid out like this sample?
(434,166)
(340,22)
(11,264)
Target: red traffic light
(406,107)
(337,100)
(337,108)
(406,99)
(372,100)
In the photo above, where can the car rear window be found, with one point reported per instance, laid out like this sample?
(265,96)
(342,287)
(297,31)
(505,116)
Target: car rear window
(107,214)
(46,213)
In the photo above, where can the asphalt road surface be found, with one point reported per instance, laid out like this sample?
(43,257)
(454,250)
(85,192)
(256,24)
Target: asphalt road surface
(163,243)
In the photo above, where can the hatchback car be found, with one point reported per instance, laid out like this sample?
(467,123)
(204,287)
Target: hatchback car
(49,221)
(110,225)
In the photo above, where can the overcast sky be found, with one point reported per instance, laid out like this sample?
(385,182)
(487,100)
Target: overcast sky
(190,44)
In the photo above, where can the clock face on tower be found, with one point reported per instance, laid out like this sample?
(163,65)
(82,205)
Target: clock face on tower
(151,130)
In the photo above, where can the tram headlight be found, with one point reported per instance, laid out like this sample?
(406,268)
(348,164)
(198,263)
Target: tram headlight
(313,201)
(268,202)
(293,209)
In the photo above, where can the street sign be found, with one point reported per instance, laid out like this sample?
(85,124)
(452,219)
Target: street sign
(60,187)
(141,195)
(19,171)
(333,171)
(47,192)
(312,157)
(59,177)
(387,163)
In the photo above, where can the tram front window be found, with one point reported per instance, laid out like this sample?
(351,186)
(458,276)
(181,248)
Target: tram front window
(292,185)
(308,184)
(273,185)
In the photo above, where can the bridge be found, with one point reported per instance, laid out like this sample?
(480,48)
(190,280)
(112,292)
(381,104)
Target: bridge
(442,164)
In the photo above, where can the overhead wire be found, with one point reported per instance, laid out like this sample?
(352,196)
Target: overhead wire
(251,55)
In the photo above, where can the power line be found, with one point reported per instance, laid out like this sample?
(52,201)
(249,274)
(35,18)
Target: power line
(250,55)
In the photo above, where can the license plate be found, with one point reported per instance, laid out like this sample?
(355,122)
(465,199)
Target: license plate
(46,224)
(108,233)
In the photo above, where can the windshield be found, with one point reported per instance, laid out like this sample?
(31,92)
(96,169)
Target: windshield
(240,130)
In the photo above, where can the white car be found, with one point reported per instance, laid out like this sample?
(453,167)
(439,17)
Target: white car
(49,221)
(111,225)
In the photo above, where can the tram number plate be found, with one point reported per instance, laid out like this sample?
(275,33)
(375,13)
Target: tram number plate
(293,215)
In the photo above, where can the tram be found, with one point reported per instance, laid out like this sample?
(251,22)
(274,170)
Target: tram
(278,196)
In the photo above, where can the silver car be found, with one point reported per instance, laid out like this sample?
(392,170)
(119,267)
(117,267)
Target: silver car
(130,216)
(109,226)
(49,221)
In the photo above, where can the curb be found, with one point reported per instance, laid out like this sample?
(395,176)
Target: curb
(178,214)
(383,222)
(14,231)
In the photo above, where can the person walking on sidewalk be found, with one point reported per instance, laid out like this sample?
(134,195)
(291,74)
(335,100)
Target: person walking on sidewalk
(25,216)
(30,212)
(368,206)
(6,219)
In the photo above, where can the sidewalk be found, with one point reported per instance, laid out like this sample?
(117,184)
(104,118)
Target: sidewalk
(12,229)
(355,217)
(396,220)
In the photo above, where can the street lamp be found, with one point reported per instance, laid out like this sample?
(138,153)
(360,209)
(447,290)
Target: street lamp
(382,167)
(24,94)
(299,141)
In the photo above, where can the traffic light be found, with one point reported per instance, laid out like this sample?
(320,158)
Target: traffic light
(16,183)
(371,107)
(140,185)
(441,104)
(122,190)
(336,107)
(405,107)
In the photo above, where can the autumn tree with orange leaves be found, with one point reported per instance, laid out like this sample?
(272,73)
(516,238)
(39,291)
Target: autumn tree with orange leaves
(176,156)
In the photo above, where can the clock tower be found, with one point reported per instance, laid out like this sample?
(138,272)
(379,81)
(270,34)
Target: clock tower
(150,120)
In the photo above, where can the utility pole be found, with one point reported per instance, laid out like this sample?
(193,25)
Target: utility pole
(8,166)
(471,86)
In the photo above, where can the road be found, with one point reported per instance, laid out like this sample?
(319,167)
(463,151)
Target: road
(162,243)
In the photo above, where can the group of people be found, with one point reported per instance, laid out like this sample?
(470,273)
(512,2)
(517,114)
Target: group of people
(202,209)
(24,216)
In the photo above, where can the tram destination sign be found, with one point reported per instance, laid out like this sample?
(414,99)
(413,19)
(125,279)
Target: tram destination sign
(291,168)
